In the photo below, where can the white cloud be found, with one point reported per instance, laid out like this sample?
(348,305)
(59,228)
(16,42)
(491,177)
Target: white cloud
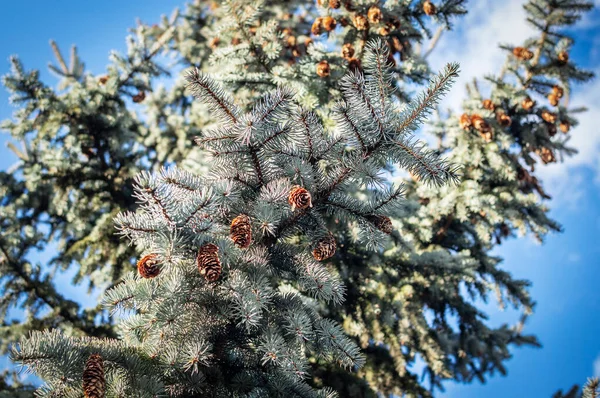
(597,366)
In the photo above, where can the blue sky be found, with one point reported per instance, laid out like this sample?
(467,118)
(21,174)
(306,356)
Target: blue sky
(565,270)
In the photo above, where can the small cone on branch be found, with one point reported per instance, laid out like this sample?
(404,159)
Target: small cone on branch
(549,117)
(317,27)
(527,103)
(384,31)
(429,8)
(382,223)
(553,99)
(354,64)
(344,22)
(214,42)
(465,121)
(299,198)
(329,24)
(347,51)
(148,266)
(291,41)
(565,126)
(335,4)
(348,5)
(503,119)
(488,104)
(139,97)
(546,155)
(324,249)
(94,384)
(208,262)
(103,79)
(323,69)
(563,57)
(360,22)
(551,127)
(558,91)
(522,53)
(479,123)
(374,15)
(241,231)
(396,44)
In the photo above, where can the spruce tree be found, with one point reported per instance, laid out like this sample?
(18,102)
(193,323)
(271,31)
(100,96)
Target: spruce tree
(442,234)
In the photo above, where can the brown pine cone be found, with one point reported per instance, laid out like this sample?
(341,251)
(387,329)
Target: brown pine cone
(241,231)
(558,91)
(360,22)
(139,97)
(148,266)
(488,104)
(324,249)
(103,79)
(208,262)
(291,41)
(479,123)
(384,31)
(563,57)
(335,4)
(382,223)
(549,117)
(329,24)
(553,99)
(565,126)
(503,119)
(347,50)
(214,42)
(317,27)
(429,8)
(323,69)
(299,198)
(374,14)
(348,5)
(528,103)
(354,64)
(522,53)
(344,22)
(396,44)
(94,384)
(546,155)
(465,121)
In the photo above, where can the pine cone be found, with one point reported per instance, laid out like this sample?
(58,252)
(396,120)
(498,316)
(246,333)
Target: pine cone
(465,121)
(546,155)
(565,126)
(360,22)
(396,44)
(479,123)
(487,135)
(553,99)
(208,262)
(503,119)
(384,31)
(429,8)
(335,4)
(214,42)
(324,249)
(103,79)
(382,223)
(522,53)
(558,91)
(344,22)
(323,69)
(299,198)
(488,104)
(139,97)
(94,385)
(317,27)
(563,57)
(148,266)
(329,24)
(528,103)
(348,5)
(241,231)
(347,50)
(551,127)
(549,117)
(374,15)
(354,64)
(291,41)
